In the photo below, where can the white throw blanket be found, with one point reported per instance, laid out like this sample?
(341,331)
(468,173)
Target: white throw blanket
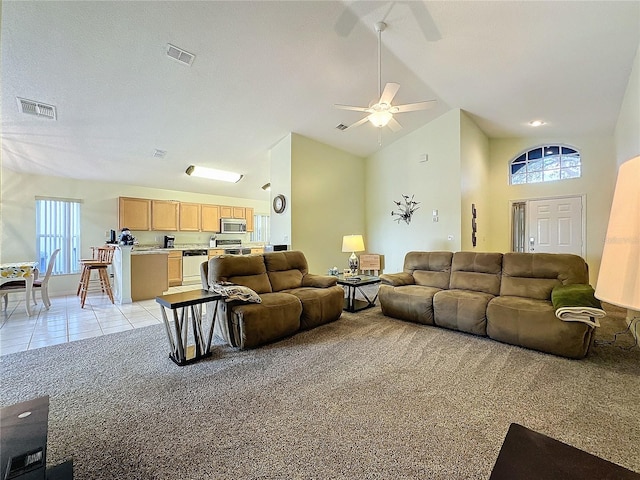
(588,315)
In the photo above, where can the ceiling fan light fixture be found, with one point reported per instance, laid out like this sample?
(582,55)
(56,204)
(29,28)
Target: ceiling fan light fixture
(213,174)
(380,119)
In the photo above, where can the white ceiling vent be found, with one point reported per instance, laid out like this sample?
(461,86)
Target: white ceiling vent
(38,109)
(180,55)
(342,127)
(159,153)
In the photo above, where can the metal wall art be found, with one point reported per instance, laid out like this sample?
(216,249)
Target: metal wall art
(406,207)
(474,228)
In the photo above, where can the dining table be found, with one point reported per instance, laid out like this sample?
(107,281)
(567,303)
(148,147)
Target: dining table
(20,270)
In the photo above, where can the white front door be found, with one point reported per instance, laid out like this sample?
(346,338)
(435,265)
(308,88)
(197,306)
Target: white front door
(555,225)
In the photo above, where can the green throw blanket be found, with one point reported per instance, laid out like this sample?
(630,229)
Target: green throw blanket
(577,303)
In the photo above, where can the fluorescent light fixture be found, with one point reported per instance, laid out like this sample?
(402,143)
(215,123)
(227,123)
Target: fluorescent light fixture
(380,119)
(536,123)
(213,174)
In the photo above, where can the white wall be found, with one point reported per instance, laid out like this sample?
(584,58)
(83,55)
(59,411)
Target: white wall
(396,170)
(627,132)
(280,158)
(99,213)
(596,183)
(327,202)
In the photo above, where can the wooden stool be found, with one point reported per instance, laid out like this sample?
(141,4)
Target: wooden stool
(103,256)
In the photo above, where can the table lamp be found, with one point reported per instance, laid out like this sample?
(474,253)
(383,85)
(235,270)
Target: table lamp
(353,244)
(619,276)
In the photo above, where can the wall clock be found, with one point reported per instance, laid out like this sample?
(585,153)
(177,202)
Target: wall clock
(279,203)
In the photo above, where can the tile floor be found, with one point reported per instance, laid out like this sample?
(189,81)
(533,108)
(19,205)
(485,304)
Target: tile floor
(65,321)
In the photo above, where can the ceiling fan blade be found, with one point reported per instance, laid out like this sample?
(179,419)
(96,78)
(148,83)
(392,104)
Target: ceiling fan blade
(351,107)
(394,125)
(357,124)
(390,90)
(412,107)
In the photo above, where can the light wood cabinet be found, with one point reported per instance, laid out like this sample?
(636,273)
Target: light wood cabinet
(226,212)
(134,213)
(239,212)
(215,251)
(164,215)
(257,250)
(210,218)
(174,267)
(149,277)
(248,215)
(189,218)
(232,212)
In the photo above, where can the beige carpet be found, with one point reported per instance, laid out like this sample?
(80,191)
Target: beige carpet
(365,397)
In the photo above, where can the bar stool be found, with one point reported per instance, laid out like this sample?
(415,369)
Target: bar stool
(102,258)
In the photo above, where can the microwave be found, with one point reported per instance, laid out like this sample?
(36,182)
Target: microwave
(233,225)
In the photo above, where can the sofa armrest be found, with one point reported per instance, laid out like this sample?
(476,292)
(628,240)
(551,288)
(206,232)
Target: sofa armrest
(319,281)
(397,279)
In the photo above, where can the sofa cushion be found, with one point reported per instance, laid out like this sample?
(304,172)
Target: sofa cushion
(534,275)
(462,310)
(319,305)
(478,272)
(247,270)
(532,323)
(250,325)
(285,269)
(430,269)
(413,303)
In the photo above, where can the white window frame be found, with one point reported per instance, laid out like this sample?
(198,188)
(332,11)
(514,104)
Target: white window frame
(58,226)
(542,166)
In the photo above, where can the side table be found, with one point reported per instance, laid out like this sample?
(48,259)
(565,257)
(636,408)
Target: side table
(185,305)
(353,284)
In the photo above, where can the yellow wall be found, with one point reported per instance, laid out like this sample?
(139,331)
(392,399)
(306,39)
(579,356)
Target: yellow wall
(474,183)
(327,201)
(596,183)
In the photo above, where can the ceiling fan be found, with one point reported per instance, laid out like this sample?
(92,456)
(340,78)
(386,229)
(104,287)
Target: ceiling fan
(380,114)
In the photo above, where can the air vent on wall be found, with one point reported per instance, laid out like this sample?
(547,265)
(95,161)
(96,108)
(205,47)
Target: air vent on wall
(38,109)
(180,55)
(342,126)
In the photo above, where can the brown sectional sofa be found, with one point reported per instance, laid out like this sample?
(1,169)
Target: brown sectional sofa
(506,297)
(292,298)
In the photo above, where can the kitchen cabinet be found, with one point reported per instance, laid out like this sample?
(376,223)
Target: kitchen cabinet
(149,275)
(257,250)
(189,217)
(164,215)
(174,267)
(215,251)
(134,213)
(210,218)
(248,215)
(232,212)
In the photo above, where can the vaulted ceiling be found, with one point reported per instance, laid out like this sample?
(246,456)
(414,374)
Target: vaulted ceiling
(263,69)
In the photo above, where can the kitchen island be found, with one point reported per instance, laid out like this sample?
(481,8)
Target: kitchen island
(139,275)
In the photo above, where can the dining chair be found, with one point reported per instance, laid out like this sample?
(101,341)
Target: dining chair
(42,284)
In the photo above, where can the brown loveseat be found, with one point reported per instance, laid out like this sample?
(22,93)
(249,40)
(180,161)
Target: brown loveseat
(291,298)
(506,297)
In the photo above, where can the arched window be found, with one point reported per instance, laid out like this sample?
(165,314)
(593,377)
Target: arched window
(545,164)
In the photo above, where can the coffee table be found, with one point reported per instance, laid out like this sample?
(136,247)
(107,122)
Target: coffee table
(187,308)
(353,284)
(529,455)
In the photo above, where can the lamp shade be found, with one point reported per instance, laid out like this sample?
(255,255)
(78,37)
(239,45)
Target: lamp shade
(619,276)
(352,243)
